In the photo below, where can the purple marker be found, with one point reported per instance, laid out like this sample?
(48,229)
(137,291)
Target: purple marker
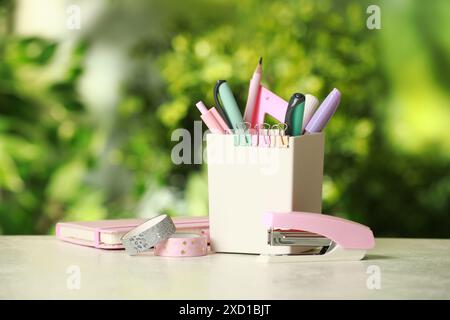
(324,112)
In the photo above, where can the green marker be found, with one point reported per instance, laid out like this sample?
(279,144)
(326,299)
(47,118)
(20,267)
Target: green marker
(294,114)
(297,119)
(229,105)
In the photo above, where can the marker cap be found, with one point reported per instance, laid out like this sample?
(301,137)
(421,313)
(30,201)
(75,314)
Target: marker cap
(201,107)
(325,112)
(311,104)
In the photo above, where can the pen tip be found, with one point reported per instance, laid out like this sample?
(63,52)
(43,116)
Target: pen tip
(260,60)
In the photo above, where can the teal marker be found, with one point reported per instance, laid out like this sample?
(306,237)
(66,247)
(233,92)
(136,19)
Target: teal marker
(297,119)
(294,114)
(229,105)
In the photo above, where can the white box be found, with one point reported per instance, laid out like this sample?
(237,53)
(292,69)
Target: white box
(244,182)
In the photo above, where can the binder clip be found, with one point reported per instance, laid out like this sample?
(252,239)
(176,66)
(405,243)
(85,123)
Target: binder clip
(242,136)
(278,137)
(281,139)
(273,133)
(262,133)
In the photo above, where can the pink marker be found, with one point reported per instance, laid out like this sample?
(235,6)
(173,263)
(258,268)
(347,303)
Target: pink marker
(212,119)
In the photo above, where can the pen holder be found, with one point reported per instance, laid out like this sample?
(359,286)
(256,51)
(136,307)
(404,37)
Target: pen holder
(244,182)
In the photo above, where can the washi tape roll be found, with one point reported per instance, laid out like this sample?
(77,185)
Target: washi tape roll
(182,245)
(148,234)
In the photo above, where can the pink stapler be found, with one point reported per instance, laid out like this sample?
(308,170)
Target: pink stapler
(315,237)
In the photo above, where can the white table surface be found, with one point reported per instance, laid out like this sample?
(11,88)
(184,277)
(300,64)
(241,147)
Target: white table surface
(35,267)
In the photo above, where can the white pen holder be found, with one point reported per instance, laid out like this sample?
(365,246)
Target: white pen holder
(244,182)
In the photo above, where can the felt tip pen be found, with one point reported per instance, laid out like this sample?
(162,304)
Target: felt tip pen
(293,118)
(297,119)
(253,91)
(311,104)
(324,113)
(212,119)
(225,100)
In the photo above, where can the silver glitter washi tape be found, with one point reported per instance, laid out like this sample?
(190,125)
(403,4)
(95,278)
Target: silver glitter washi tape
(148,234)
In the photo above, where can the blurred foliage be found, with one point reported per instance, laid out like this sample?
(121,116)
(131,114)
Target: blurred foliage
(64,157)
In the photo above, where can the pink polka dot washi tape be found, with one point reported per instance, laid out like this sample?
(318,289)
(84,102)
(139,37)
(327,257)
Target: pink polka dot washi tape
(182,245)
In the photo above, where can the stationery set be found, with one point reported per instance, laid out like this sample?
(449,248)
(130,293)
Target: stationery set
(265,181)
(264,187)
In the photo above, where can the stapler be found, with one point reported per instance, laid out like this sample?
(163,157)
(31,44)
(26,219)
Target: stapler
(315,237)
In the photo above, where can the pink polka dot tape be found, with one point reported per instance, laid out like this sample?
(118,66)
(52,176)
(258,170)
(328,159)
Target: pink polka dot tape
(182,245)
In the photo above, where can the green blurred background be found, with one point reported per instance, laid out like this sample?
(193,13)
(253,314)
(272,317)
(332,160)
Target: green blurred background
(86,115)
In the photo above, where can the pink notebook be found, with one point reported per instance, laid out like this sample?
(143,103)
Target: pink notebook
(106,234)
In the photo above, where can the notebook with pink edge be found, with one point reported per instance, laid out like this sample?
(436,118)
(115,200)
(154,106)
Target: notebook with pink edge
(106,234)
